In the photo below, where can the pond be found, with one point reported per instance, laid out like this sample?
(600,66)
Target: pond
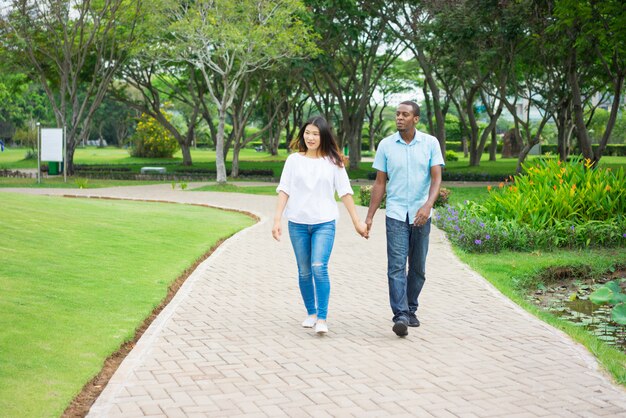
(569,299)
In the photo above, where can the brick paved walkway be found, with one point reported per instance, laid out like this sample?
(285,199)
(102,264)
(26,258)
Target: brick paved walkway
(230,343)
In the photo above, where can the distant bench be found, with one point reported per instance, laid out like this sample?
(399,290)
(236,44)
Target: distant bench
(155,170)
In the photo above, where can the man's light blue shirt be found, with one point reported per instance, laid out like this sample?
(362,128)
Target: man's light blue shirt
(408,171)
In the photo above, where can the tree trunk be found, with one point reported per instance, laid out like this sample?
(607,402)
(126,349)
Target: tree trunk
(493,149)
(617,94)
(220,164)
(429,115)
(464,145)
(234,170)
(440,118)
(353,138)
(578,111)
(562,130)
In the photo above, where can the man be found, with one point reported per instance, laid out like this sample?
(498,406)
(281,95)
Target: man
(409,165)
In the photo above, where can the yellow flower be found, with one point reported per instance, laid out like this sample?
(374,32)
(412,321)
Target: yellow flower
(489,188)
(607,188)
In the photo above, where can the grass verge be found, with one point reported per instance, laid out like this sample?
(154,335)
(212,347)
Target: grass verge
(72,183)
(78,276)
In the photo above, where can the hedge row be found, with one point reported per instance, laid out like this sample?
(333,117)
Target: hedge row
(448,176)
(615,150)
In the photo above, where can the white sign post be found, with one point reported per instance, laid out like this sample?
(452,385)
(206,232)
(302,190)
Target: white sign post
(52,148)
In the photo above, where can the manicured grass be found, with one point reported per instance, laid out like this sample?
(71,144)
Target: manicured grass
(461,194)
(512,273)
(78,276)
(14,157)
(234,188)
(72,182)
(269,190)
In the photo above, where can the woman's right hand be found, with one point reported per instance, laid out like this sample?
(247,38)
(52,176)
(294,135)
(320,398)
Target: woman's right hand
(361,229)
(277,230)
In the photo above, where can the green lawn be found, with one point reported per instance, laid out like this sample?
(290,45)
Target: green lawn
(14,157)
(77,277)
(72,182)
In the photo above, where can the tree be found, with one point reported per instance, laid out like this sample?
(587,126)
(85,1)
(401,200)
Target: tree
(476,42)
(226,41)
(358,46)
(400,77)
(596,31)
(158,84)
(74,49)
(411,20)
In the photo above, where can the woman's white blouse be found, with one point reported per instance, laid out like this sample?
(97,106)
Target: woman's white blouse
(311,185)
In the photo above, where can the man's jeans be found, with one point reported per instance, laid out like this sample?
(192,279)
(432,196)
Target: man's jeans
(405,241)
(312,245)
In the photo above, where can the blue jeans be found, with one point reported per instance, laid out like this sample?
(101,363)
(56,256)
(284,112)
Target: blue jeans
(312,245)
(406,242)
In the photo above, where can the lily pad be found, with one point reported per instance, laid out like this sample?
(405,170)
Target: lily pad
(602,295)
(619,314)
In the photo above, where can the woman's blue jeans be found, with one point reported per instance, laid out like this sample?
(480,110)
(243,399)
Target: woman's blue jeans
(406,242)
(312,245)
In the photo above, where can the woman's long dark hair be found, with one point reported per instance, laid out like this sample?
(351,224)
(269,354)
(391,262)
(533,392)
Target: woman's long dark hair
(328,144)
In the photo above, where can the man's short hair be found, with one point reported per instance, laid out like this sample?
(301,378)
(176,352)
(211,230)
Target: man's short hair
(416,108)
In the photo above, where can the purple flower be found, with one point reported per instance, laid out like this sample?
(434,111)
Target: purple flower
(482,224)
(478,242)
(472,221)
(624,235)
(572,228)
(487,236)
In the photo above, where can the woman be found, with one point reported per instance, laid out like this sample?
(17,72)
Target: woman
(306,194)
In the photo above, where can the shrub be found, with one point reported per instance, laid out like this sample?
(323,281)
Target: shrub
(552,191)
(554,205)
(152,140)
(451,156)
(444,196)
(365,193)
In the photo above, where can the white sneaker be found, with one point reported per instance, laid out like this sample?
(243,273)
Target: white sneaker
(310,321)
(321,327)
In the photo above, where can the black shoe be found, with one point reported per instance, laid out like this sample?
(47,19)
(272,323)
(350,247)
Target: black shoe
(413,321)
(400,327)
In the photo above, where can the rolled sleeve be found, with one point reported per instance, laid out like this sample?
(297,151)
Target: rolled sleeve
(342,182)
(285,178)
(436,158)
(380,160)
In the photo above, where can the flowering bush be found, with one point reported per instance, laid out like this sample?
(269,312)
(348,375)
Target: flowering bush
(152,140)
(554,205)
(552,192)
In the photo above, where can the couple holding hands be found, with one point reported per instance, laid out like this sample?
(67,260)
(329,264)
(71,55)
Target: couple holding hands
(409,166)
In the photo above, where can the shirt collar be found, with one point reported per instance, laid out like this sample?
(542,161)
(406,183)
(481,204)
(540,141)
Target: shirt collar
(416,138)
